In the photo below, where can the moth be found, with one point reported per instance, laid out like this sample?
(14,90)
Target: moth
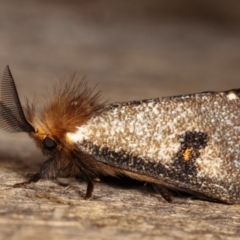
(187,143)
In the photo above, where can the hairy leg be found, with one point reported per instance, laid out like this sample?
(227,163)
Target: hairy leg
(49,170)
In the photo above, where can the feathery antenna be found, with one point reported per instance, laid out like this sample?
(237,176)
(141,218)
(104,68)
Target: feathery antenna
(12,118)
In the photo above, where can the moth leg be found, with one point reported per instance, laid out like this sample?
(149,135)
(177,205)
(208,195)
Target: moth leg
(33,178)
(165,194)
(90,188)
(48,170)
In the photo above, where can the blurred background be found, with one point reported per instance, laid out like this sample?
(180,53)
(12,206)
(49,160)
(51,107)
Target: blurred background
(133,49)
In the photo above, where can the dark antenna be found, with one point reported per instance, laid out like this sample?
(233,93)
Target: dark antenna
(12,118)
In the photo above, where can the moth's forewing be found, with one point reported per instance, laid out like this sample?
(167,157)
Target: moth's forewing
(188,142)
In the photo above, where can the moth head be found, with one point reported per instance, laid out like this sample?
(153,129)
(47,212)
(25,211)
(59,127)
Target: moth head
(69,106)
(47,143)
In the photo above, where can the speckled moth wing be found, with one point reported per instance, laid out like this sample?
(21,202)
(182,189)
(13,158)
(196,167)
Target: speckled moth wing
(188,142)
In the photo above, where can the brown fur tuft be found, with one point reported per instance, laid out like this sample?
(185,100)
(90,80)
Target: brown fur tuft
(71,104)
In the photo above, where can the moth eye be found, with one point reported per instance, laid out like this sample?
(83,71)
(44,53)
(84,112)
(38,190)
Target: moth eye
(49,143)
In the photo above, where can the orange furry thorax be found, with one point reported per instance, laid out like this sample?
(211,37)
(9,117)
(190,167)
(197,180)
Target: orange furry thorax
(71,105)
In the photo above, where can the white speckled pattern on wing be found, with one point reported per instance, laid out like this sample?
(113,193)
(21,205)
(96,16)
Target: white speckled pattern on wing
(150,129)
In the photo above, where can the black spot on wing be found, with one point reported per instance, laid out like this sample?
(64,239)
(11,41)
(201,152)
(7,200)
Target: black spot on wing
(184,161)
